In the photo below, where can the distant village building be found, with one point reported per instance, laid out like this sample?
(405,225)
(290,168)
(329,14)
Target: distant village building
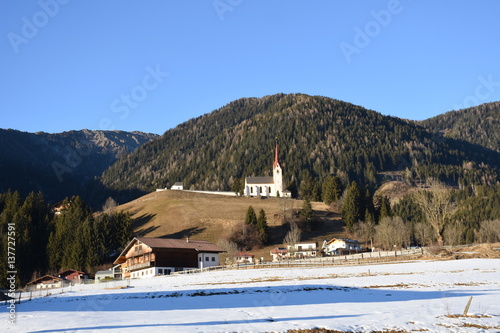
(338,246)
(267,186)
(302,250)
(114,273)
(146,257)
(178,186)
(62,279)
(244,258)
(279,253)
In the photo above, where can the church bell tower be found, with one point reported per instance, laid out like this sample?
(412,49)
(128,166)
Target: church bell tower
(277,174)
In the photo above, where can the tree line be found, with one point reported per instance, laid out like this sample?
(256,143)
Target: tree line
(46,242)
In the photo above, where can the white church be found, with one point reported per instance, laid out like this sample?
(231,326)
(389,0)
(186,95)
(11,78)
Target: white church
(267,186)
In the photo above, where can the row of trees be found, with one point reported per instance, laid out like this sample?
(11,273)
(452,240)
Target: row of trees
(434,214)
(46,243)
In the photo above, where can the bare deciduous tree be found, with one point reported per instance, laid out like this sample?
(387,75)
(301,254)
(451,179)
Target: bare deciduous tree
(109,205)
(489,232)
(231,248)
(454,233)
(293,236)
(392,232)
(437,207)
(365,231)
(424,234)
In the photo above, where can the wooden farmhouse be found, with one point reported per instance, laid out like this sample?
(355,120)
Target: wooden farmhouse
(48,282)
(146,257)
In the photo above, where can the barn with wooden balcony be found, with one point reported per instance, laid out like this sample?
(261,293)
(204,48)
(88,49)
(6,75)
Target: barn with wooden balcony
(146,257)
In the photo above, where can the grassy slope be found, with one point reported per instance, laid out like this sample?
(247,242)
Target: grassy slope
(179,214)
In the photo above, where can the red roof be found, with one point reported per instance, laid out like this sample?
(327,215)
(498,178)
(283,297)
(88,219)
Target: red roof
(246,254)
(277,250)
(70,272)
(46,279)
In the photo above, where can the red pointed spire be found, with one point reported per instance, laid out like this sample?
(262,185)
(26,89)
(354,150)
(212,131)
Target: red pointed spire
(276,161)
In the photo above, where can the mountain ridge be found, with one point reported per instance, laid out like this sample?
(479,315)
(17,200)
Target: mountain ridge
(323,135)
(62,164)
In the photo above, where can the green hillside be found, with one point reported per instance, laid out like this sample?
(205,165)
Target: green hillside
(479,125)
(322,135)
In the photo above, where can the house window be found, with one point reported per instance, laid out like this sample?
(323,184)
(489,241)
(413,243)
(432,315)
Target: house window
(160,271)
(200,259)
(260,188)
(207,258)
(251,190)
(269,189)
(213,258)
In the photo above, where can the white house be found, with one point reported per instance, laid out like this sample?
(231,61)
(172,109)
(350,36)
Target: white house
(267,186)
(337,246)
(113,273)
(245,258)
(178,186)
(303,250)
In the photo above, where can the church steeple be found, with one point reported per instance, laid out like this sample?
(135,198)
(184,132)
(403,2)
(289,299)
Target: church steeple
(276,159)
(277,176)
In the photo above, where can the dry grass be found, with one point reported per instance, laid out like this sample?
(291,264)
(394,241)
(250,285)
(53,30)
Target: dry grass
(324,330)
(468,316)
(484,327)
(181,214)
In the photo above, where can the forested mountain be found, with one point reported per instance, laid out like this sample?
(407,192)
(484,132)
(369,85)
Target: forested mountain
(62,164)
(319,134)
(479,125)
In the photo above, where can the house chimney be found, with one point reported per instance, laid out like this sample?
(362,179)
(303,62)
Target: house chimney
(187,239)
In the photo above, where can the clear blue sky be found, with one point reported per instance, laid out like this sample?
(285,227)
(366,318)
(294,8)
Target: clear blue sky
(151,65)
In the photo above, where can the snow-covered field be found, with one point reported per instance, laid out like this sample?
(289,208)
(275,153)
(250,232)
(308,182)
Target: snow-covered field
(413,296)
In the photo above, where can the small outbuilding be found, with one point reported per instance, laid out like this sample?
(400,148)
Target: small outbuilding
(178,186)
